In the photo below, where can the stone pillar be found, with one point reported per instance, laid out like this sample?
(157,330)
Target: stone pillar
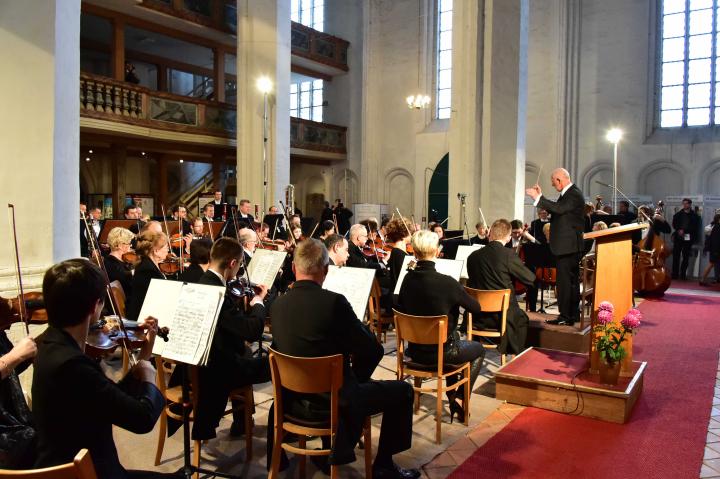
(118,50)
(263,50)
(487,126)
(40,140)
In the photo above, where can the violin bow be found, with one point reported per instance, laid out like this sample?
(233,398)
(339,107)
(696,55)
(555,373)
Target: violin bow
(18,275)
(181,233)
(313,231)
(482,217)
(287,223)
(403,220)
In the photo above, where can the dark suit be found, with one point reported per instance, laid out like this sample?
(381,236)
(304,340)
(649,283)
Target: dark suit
(690,224)
(75,406)
(231,364)
(425,292)
(536,230)
(495,267)
(245,220)
(220,209)
(192,274)
(566,243)
(343,216)
(309,321)
(144,273)
(478,240)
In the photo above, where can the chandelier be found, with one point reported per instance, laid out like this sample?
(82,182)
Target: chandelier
(418,102)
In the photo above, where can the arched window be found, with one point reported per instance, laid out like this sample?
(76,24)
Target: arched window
(443,60)
(689,92)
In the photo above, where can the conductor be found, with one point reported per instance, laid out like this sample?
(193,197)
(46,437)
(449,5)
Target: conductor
(566,241)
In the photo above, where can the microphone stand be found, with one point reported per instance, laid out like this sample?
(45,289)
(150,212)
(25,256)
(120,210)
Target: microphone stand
(626,198)
(461,197)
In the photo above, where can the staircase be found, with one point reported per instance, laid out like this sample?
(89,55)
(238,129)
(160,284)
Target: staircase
(191,197)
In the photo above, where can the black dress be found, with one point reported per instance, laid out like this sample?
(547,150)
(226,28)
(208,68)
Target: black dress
(120,271)
(144,273)
(397,256)
(17,433)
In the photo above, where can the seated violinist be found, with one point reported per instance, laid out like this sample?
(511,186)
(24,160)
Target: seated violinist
(231,364)
(482,234)
(75,405)
(152,249)
(337,247)
(119,240)
(198,228)
(199,260)
(495,267)
(17,441)
(208,213)
(327,228)
(397,235)
(358,239)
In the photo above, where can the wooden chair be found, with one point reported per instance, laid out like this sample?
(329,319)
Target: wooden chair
(491,301)
(429,330)
(378,322)
(81,468)
(173,399)
(587,295)
(309,376)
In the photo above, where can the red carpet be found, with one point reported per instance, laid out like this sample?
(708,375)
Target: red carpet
(666,434)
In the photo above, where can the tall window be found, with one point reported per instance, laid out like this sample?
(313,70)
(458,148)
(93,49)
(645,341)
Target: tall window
(444,58)
(690,94)
(308,12)
(306,100)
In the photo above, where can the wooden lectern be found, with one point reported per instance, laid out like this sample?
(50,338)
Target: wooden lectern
(613,283)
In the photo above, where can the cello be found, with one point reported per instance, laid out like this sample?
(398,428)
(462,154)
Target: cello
(650,277)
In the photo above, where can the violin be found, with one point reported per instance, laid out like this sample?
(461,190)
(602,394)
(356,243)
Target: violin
(10,309)
(131,258)
(171,266)
(106,335)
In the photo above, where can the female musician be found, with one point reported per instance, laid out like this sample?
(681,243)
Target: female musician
(425,292)
(482,234)
(297,233)
(712,246)
(397,236)
(119,241)
(153,249)
(199,260)
(327,228)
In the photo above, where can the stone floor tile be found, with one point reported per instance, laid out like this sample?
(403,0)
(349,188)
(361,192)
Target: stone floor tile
(715,412)
(714,464)
(708,472)
(714,423)
(462,444)
(481,435)
(499,417)
(716,401)
(443,459)
(711,453)
(511,413)
(714,446)
(461,455)
(439,472)
(712,438)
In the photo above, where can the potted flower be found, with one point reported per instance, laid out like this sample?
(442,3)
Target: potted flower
(610,342)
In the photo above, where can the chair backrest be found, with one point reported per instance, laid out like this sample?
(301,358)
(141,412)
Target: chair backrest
(373,310)
(491,301)
(81,468)
(306,375)
(119,295)
(421,329)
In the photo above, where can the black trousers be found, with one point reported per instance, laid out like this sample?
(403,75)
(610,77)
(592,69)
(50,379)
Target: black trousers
(394,399)
(681,248)
(568,286)
(460,351)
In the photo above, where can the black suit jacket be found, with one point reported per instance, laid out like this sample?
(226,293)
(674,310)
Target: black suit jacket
(118,270)
(425,292)
(310,321)
(357,259)
(220,208)
(144,273)
(230,364)
(477,240)
(536,230)
(192,274)
(75,406)
(567,221)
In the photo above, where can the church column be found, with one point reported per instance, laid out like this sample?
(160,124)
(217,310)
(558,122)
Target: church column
(569,99)
(118,49)
(487,126)
(40,140)
(263,51)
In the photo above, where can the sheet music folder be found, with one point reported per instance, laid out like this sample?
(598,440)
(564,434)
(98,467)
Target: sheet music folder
(190,311)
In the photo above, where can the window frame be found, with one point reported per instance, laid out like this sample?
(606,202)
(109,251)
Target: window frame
(437,70)
(315,5)
(296,108)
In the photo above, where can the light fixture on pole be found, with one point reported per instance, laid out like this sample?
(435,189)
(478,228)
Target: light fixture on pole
(418,102)
(614,135)
(265,86)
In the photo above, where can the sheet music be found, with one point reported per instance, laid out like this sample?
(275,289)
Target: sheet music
(190,312)
(264,266)
(353,283)
(462,254)
(448,267)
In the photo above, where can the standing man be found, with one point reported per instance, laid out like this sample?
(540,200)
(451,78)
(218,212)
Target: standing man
(245,217)
(221,207)
(343,216)
(566,240)
(537,225)
(686,224)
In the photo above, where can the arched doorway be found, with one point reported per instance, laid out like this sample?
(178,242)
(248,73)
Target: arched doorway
(438,191)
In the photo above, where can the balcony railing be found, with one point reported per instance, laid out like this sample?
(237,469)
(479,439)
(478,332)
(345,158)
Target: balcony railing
(218,14)
(318,46)
(108,99)
(311,135)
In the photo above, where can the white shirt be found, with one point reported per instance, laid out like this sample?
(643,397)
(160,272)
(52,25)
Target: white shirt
(564,190)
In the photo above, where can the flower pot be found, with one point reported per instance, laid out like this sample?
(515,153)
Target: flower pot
(609,372)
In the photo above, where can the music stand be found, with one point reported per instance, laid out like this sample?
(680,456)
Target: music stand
(108,225)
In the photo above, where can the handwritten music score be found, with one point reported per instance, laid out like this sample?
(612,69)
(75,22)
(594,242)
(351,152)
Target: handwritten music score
(353,283)
(264,266)
(190,311)
(448,267)
(462,254)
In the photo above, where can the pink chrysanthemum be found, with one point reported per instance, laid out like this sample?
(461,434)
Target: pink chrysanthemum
(606,306)
(632,319)
(605,316)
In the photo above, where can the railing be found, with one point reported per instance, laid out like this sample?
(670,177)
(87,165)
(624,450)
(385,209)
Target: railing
(191,197)
(217,14)
(318,46)
(311,135)
(105,98)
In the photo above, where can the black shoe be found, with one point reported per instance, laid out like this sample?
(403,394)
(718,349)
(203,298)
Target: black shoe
(394,472)
(321,463)
(237,429)
(559,322)
(456,408)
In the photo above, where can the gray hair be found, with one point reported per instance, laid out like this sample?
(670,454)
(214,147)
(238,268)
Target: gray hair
(311,256)
(355,230)
(118,236)
(425,244)
(246,235)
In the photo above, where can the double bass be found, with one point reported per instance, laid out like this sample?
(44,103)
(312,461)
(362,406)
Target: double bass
(650,277)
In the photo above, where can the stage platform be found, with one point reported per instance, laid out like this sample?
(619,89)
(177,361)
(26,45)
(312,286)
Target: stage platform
(563,338)
(559,381)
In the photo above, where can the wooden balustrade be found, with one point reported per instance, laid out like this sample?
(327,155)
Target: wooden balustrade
(318,46)
(311,135)
(105,98)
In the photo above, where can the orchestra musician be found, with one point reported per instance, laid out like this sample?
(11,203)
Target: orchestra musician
(199,260)
(179,213)
(481,237)
(398,236)
(536,227)
(245,217)
(309,311)
(358,238)
(425,292)
(75,405)
(221,208)
(495,267)
(566,240)
(198,228)
(327,228)
(231,364)
(119,240)
(208,213)
(337,248)
(131,213)
(152,248)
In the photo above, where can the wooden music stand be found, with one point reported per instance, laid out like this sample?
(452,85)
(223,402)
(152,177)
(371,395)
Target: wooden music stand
(110,224)
(613,283)
(216,226)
